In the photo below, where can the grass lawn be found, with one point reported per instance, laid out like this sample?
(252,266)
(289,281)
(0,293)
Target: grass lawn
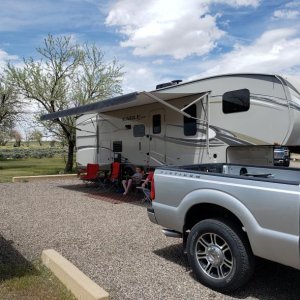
(30,281)
(30,166)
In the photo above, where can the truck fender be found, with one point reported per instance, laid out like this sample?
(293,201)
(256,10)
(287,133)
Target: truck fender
(224,200)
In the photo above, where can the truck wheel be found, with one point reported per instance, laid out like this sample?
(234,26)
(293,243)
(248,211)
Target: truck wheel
(219,255)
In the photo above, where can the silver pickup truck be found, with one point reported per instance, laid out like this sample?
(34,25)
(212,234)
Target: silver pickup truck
(228,214)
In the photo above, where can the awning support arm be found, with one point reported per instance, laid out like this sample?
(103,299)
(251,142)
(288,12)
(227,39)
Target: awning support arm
(195,101)
(207,123)
(168,105)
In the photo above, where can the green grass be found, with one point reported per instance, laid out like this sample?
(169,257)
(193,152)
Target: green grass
(31,281)
(30,166)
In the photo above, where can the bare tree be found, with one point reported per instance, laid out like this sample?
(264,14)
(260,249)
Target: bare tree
(67,75)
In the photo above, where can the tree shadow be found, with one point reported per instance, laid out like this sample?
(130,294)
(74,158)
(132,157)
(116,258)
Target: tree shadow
(270,280)
(12,263)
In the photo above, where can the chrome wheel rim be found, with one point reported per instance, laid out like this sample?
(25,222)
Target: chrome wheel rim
(214,256)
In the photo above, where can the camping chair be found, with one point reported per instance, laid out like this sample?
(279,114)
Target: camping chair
(91,175)
(146,192)
(114,178)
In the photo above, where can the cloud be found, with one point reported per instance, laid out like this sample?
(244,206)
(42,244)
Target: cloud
(5,58)
(47,14)
(275,51)
(286,14)
(289,11)
(293,4)
(169,27)
(140,77)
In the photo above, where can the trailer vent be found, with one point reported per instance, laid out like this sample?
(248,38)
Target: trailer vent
(166,84)
(117,146)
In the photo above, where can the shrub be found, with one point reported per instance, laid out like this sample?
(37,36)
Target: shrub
(21,153)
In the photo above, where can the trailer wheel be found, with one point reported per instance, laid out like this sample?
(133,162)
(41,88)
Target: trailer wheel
(219,255)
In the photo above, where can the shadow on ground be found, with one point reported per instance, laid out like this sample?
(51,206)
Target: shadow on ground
(12,263)
(93,191)
(270,280)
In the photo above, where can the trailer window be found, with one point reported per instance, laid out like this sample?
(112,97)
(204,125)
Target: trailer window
(189,124)
(139,130)
(236,101)
(156,124)
(117,146)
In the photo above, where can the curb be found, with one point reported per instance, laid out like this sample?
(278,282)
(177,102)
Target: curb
(42,177)
(77,282)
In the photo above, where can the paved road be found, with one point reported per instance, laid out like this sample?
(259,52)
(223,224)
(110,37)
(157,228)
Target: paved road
(116,245)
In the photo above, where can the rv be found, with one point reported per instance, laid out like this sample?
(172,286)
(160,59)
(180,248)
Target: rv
(192,122)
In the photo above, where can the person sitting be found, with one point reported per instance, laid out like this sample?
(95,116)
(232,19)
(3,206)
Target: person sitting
(135,179)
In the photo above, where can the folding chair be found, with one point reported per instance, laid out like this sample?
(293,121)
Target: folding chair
(114,178)
(146,192)
(91,174)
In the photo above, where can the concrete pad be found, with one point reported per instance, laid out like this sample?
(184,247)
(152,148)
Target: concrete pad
(78,283)
(42,177)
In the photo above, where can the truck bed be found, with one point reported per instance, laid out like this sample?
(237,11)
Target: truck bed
(248,172)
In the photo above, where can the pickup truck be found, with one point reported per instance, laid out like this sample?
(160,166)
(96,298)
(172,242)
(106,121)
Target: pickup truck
(227,215)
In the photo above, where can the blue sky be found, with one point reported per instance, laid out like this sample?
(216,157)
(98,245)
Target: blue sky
(158,40)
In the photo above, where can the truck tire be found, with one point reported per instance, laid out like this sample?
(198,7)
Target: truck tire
(220,255)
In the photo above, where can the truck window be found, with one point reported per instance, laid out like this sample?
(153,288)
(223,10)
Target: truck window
(189,124)
(156,124)
(236,101)
(139,130)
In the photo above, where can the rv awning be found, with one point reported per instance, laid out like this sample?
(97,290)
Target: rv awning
(122,102)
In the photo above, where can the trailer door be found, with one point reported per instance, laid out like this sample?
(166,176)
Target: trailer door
(157,145)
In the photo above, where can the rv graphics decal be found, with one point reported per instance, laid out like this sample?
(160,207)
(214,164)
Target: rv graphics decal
(134,117)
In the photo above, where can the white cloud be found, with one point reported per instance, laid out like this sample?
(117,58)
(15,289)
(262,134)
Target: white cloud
(289,11)
(293,4)
(275,51)
(139,77)
(253,3)
(286,14)
(5,58)
(158,62)
(169,27)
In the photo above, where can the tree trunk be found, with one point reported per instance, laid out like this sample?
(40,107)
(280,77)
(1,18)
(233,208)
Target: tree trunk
(69,164)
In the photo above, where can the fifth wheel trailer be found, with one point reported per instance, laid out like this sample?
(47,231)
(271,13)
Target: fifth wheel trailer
(190,123)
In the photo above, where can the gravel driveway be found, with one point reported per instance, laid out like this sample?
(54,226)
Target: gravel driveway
(116,245)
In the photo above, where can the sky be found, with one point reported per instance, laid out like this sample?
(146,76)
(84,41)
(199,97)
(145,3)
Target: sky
(162,40)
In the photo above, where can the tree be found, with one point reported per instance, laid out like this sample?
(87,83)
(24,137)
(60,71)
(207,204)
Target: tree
(37,136)
(4,136)
(16,135)
(66,75)
(10,106)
